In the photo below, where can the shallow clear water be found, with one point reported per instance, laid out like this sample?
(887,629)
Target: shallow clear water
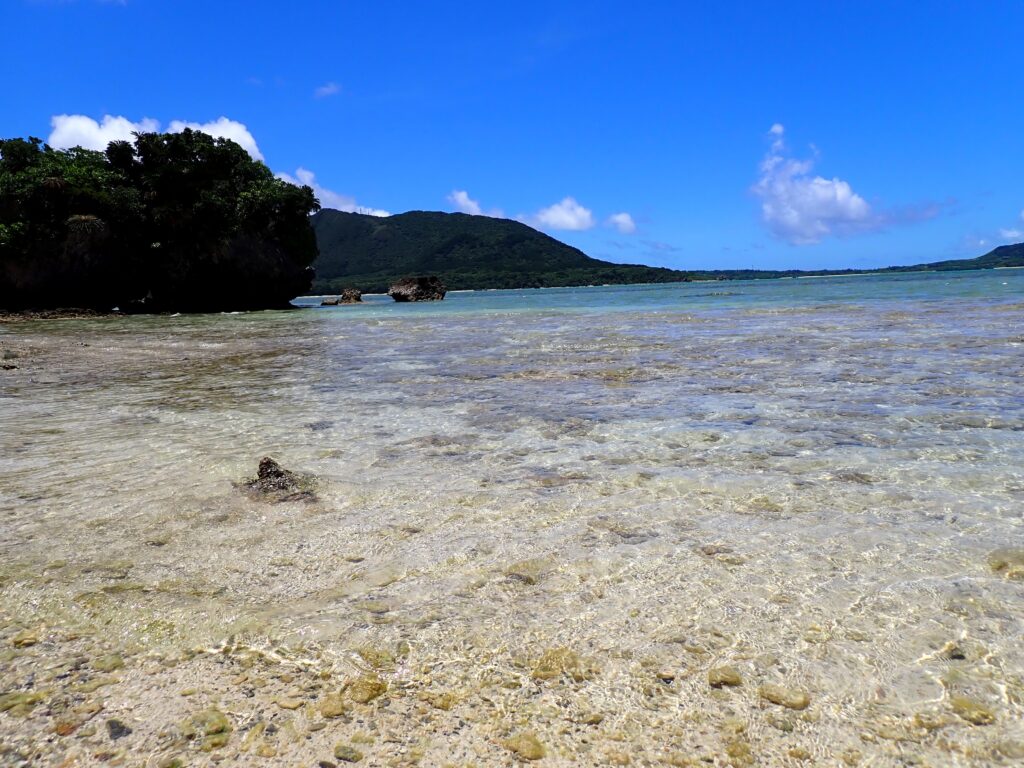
(801,478)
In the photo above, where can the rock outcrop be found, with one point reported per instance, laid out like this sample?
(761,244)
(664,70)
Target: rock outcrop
(348,296)
(274,483)
(418,289)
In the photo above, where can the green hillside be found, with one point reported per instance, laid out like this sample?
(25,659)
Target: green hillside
(370,252)
(478,252)
(1003,256)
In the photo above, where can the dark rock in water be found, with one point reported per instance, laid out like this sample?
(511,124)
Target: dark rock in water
(117,729)
(319,426)
(348,296)
(274,483)
(418,289)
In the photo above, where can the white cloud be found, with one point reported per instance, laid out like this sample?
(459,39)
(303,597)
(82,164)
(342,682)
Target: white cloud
(328,198)
(622,222)
(82,131)
(567,214)
(464,203)
(327,89)
(803,209)
(1014,232)
(224,129)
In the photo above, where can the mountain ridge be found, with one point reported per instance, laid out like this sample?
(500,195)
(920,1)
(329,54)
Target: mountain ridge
(479,252)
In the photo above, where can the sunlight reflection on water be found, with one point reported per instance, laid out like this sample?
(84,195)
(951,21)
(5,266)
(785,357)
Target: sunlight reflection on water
(800,478)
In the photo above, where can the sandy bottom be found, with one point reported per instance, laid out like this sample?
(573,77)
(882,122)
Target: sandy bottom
(746,538)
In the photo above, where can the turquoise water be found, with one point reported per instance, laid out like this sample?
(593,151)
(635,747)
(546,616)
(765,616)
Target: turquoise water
(803,479)
(986,285)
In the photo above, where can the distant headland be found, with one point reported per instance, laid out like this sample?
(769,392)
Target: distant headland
(479,252)
(185,222)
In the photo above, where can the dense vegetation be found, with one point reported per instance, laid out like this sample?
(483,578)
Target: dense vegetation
(1003,256)
(370,253)
(183,222)
(188,222)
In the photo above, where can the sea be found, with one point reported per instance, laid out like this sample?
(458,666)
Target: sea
(543,518)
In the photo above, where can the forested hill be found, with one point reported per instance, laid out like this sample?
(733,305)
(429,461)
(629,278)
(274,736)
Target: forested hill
(1003,256)
(370,252)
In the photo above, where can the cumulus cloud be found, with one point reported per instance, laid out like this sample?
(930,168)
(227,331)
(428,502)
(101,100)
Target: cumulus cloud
(327,89)
(803,208)
(567,214)
(329,198)
(460,199)
(82,131)
(224,129)
(622,222)
(464,203)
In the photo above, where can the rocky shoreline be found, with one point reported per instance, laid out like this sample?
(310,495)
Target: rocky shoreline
(21,316)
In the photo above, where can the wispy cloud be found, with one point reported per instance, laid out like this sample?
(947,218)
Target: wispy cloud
(83,131)
(327,89)
(622,222)
(1015,232)
(657,246)
(329,198)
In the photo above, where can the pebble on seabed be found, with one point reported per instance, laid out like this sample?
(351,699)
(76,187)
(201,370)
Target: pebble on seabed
(526,745)
(790,698)
(719,676)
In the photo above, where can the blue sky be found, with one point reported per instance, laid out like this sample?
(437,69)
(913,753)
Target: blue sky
(720,135)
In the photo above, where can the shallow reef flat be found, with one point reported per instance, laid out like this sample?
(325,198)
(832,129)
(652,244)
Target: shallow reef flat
(705,535)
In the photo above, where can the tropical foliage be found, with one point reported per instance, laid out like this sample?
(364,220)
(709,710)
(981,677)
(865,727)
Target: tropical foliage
(180,221)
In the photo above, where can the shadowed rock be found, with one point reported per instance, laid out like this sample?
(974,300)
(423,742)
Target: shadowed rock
(350,296)
(276,484)
(330,301)
(418,289)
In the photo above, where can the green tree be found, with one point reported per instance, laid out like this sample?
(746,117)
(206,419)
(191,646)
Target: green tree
(180,221)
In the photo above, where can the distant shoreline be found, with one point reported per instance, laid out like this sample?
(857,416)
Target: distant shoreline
(873,273)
